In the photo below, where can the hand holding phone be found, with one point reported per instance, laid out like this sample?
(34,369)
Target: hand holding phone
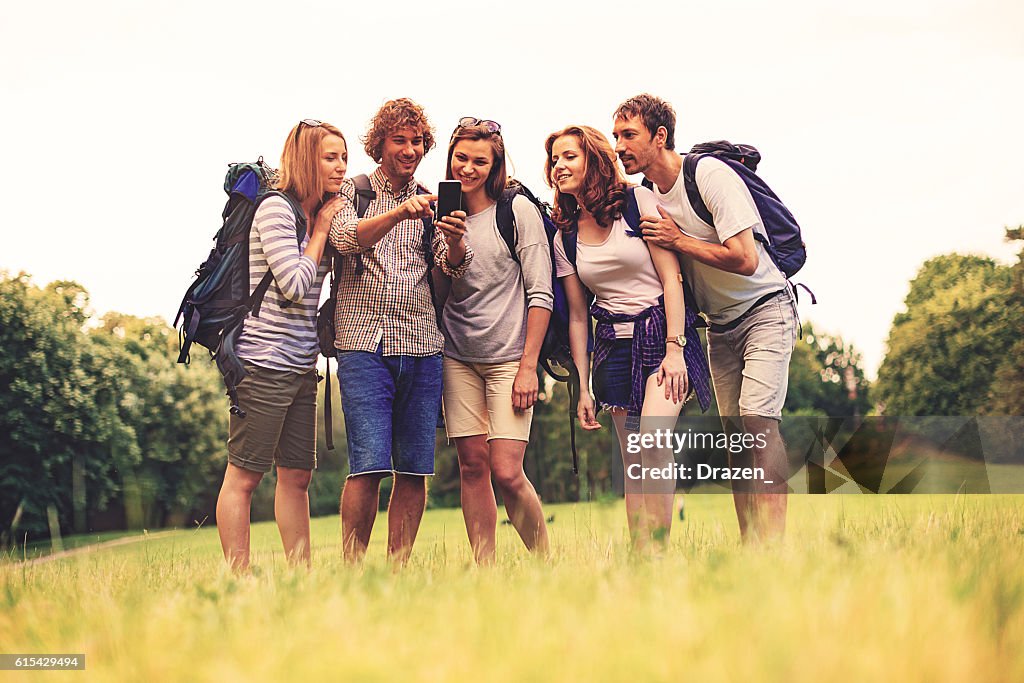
(449,198)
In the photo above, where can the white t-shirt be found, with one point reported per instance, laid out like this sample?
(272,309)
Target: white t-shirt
(721,295)
(619,271)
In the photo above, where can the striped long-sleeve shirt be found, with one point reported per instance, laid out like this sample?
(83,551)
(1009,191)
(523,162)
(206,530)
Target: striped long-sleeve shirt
(282,338)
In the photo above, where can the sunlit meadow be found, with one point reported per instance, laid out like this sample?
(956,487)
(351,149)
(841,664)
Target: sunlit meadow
(865,588)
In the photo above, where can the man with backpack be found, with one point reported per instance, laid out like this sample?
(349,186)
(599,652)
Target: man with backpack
(387,336)
(738,286)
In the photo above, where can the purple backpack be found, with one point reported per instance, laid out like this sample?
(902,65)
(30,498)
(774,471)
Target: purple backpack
(783,243)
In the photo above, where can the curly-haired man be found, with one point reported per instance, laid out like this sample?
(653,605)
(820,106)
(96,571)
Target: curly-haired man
(388,342)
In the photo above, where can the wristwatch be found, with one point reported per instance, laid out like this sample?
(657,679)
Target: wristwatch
(678,339)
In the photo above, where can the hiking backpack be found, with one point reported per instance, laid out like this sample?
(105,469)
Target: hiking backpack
(216,303)
(783,241)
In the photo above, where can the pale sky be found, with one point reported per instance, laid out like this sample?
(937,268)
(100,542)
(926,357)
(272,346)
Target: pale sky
(891,129)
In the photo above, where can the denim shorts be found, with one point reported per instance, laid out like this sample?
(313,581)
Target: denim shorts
(391,405)
(613,379)
(750,363)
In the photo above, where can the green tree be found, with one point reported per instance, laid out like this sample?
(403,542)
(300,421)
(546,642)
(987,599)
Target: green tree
(943,351)
(1007,397)
(826,377)
(59,422)
(179,420)
(97,421)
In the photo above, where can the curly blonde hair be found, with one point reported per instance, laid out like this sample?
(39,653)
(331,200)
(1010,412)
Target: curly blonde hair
(395,114)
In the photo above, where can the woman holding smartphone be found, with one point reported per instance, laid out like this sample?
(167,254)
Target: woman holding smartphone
(494,320)
(279,348)
(639,371)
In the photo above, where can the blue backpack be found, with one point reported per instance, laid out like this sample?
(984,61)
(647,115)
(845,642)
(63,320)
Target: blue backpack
(217,302)
(784,242)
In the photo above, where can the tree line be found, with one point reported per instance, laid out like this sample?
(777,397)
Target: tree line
(100,428)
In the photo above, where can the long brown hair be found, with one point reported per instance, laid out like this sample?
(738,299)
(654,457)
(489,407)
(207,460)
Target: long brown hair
(300,160)
(603,190)
(498,177)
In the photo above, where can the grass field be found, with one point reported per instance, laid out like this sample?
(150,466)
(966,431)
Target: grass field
(866,588)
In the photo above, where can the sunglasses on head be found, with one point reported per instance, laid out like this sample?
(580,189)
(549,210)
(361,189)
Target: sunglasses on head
(312,123)
(492,126)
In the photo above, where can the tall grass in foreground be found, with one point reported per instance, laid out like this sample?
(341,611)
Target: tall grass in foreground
(866,588)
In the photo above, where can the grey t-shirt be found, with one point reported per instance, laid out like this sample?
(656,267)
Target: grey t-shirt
(484,318)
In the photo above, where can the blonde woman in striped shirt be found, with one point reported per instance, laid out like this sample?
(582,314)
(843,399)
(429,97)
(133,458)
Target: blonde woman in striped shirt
(279,348)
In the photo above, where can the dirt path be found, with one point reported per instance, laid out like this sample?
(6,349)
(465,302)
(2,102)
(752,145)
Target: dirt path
(86,549)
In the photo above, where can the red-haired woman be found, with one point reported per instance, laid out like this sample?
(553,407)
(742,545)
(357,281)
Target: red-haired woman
(640,374)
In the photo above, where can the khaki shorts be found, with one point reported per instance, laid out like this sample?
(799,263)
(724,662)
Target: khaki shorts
(280,423)
(478,400)
(750,363)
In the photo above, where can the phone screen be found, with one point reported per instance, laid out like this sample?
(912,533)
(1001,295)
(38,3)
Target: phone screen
(449,197)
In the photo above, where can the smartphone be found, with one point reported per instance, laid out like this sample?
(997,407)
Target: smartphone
(449,198)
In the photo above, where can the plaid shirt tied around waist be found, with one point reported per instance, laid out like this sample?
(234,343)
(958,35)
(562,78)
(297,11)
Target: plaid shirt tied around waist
(648,350)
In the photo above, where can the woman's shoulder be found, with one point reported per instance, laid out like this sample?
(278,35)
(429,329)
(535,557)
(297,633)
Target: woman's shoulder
(275,202)
(523,207)
(275,210)
(646,201)
(641,192)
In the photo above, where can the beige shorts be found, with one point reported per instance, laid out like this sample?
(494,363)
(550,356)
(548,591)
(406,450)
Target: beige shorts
(478,400)
(750,363)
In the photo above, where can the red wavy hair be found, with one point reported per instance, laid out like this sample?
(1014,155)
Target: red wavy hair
(603,191)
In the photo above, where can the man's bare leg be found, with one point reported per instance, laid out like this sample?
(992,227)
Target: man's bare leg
(408,500)
(359,499)
(768,501)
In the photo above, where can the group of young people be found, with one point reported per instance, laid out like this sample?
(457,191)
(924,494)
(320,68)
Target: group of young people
(433,311)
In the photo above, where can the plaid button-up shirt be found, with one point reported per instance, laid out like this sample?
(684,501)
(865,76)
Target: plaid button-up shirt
(389,302)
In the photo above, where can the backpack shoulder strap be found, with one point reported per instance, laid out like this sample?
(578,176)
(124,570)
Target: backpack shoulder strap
(692,191)
(256,298)
(364,193)
(506,220)
(296,207)
(631,213)
(648,183)
(569,244)
(428,255)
